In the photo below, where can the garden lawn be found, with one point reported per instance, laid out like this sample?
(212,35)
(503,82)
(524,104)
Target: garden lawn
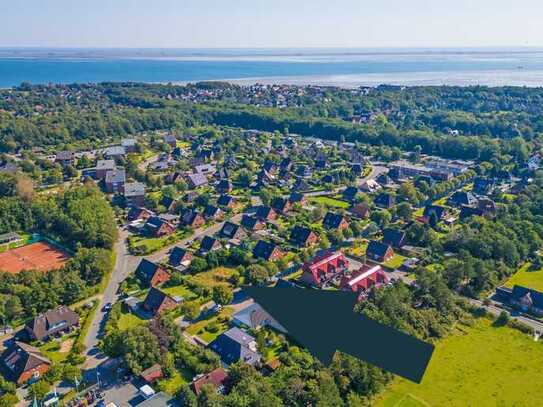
(395,262)
(180,291)
(174,383)
(143,246)
(480,365)
(214,277)
(52,350)
(527,278)
(129,320)
(325,200)
(200,328)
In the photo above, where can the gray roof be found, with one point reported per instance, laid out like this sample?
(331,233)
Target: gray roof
(160,399)
(105,165)
(128,142)
(134,189)
(115,150)
(198,179)
(118,175)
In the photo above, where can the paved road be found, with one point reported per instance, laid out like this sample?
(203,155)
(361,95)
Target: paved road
(124,264)
(496,311)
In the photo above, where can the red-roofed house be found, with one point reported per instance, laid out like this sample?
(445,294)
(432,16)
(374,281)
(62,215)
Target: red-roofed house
(324,267)
(217,378)
(363,279)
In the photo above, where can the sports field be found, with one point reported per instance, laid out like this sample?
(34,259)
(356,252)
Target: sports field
(481,365)
(40,256)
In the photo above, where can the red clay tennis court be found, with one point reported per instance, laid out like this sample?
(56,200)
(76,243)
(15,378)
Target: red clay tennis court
(40,256)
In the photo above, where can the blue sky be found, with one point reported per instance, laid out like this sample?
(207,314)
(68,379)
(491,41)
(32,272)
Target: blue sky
(270,23)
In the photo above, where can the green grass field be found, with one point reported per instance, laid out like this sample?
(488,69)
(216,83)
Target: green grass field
(200,328)
(129,320)
(174,383)
(527,278)
(395,262)
(480,365)
(180,291)
(325,200)
(212,278)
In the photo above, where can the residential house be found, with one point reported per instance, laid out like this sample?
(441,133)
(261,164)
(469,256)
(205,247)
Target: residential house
(304,171)
(171,140)
(334,221)
(196,180)
(324,267)
(24,363)
(138,213)
(158,227)
(350,193)
(379,251)
(267,251)
(439,211)
(134,194)
(255,317)
(364,279)
(301,185)
(394,237)
(523,298)
(115,180)
(302,236)
(152,374)
(114,153)
(297,198)
(460,198)
(357,169)
(152,274)
(209,244)
(190,196)
(129,145)
(180,257)
(169,203)
(65,158)
(468,211)
(213,212)
(384,180)
(158,301)
(192,219)
(54,322)
(236,345)
(231,231)
(252,223)
(385,200)
(103,166)
(361,211)
(483,186)
(266,213)
(224,186)
(226,201)
(281,205)
(217,378)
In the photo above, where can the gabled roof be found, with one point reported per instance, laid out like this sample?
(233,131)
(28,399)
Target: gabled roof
(217,378)
(229,230)
(377,248)
(21,358)
(349,193)
(440,211)
(135,212)
(234,345)
(264,250)
(155,223)
(384,200)
(146,270)
(177,255)
(208,244)
(264,211)
(225,200)
(462,198)
(279,204)
(296,197)
(197,179)
(211,211)
(254,317)
(393,237)
(300,234)
(53,320)
(332,220)
(156,297)
(249,222)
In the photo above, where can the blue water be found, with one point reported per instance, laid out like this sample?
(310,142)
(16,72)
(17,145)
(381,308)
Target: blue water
(335,67)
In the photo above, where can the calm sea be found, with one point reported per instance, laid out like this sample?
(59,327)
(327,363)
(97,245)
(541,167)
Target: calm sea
(342,67)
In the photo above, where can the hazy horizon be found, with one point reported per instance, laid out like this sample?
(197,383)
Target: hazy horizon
(263,24)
